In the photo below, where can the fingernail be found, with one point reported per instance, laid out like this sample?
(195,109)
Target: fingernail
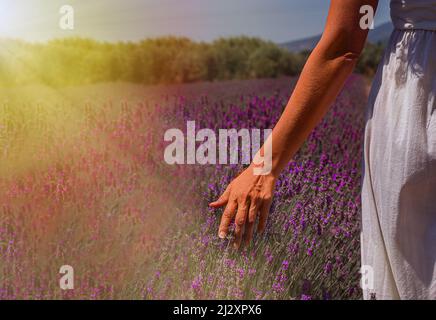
(222,235)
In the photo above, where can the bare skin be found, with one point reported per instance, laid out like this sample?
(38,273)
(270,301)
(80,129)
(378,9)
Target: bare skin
(249,196)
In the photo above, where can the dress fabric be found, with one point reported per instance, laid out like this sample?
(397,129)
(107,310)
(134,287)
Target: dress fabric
(398,236)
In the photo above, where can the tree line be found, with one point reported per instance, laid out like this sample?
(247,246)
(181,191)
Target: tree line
(165,60)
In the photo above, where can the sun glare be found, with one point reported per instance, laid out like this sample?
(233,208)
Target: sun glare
(9,18)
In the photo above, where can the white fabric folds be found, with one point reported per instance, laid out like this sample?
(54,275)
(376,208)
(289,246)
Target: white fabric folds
(399,186)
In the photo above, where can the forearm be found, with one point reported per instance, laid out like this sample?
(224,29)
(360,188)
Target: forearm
(320,82)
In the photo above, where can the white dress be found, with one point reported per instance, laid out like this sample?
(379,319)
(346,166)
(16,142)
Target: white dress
(399,186)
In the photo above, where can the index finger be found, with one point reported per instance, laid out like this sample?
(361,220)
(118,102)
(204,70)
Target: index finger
(226,219)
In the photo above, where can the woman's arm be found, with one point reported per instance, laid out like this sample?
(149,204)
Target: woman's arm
(321,80)
(323,76)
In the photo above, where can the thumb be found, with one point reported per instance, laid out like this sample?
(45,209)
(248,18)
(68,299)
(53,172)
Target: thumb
(222,201)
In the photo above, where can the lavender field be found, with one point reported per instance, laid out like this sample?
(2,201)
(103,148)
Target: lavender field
(83,182)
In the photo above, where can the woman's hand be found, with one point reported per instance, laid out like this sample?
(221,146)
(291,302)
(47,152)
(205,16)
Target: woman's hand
(246,197)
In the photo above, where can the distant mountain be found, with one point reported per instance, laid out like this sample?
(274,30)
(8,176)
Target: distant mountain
(302,44)
(379,34)
(382,33)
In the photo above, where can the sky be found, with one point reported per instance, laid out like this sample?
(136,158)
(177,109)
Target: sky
(201,20)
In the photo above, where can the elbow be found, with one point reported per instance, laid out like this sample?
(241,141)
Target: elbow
(344,57)
(346,60)
(342,47)
(350,56)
